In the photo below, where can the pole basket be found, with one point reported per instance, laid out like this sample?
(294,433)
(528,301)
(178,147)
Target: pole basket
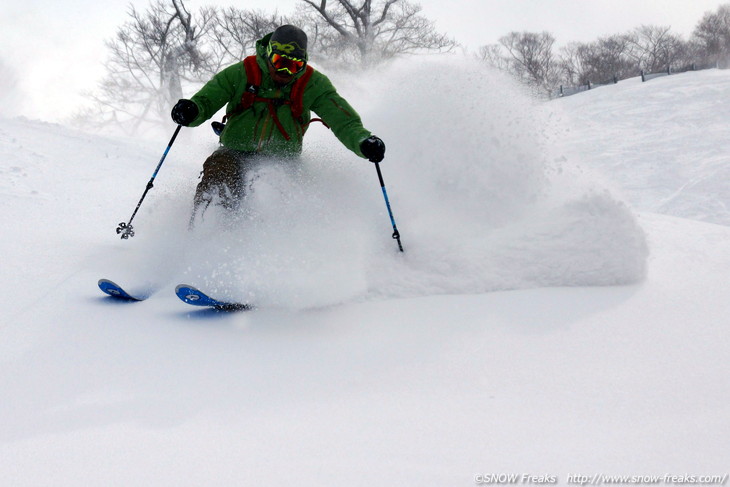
(125,230)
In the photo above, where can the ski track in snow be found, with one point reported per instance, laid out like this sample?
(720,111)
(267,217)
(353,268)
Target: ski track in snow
(535,323)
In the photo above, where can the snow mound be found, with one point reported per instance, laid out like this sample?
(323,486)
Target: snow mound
(473,193)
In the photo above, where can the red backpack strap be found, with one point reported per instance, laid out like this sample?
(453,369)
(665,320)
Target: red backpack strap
(297,99)
(297,93)
(253,82)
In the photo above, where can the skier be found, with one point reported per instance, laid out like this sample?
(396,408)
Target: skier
(270,97)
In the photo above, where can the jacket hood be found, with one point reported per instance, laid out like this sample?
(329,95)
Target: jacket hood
(262,44)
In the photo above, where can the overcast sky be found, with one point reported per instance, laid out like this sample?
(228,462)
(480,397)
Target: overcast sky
(55,48)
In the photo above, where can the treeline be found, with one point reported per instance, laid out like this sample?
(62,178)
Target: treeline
(158,52)
(534,59)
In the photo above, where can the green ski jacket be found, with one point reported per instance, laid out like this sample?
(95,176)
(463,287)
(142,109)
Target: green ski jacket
(255,130)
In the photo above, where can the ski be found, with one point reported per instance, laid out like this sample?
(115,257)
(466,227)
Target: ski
(194,296)
(116,291)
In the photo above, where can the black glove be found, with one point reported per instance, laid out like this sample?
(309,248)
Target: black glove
(184,112)
(373,148)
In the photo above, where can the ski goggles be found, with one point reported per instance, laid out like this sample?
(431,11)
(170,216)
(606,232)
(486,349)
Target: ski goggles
(284,63)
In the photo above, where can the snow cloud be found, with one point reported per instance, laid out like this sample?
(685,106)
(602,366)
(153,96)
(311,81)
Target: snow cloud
(470,174)
(9,91)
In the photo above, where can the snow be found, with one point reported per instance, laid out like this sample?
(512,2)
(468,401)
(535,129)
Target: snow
(560,308)
(662,151)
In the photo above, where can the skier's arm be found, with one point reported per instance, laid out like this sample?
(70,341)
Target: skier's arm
(217,92)
(336,112)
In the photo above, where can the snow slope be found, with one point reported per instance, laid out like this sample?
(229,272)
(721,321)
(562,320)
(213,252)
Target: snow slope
(534,324)
(663,142)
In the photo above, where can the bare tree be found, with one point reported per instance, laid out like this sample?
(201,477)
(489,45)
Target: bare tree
(370,31)
(160,51)
(612,58)
(656,48)
(492,55)
(235,32)
(531,59)
(600,61)
(572,64)
(711,36)
(151,56)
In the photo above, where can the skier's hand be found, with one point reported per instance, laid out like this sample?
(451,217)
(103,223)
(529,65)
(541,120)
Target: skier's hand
(373,148)
(184,112)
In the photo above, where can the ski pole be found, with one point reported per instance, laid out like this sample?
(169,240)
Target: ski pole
(125,229)
(396,234)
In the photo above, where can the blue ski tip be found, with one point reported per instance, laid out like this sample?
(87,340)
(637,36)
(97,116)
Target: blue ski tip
(194,296)
(115,290)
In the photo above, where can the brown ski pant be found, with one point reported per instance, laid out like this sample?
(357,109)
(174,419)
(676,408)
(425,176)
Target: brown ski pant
(222,180)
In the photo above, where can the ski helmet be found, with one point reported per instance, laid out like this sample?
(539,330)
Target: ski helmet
(289,41)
